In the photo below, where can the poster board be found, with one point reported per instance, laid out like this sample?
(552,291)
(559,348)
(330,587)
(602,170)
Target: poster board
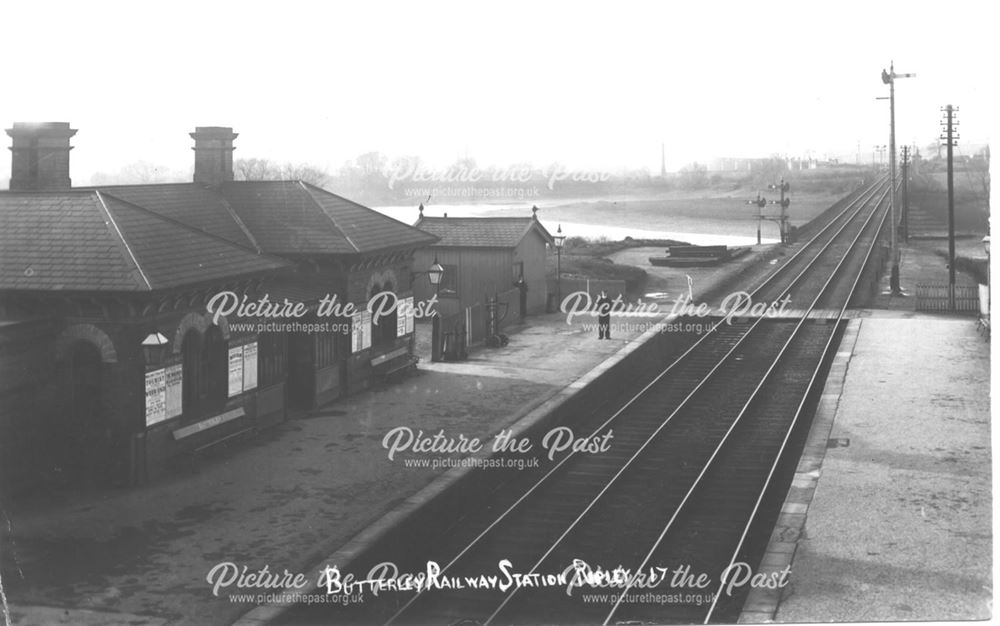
(174,376)
(250,366)
(361,331)
(366,329)
(356,332)
(402,312)
(156,397)
(235,371)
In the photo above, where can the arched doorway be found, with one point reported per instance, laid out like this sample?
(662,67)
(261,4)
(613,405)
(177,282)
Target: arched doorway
(214,371)
(384,333)
(204,359)
(84,441)
(191,364)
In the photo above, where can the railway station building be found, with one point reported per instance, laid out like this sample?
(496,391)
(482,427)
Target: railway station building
(112,365)
(482,256)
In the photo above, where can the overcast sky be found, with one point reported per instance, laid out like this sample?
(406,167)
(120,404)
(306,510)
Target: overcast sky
(592,86)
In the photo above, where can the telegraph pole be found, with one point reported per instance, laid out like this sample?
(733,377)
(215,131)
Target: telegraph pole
(950,137)
(906,204)
(889,78)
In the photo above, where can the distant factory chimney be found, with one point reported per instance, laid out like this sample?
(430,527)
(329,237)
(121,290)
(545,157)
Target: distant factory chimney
(213,154)
(40,160)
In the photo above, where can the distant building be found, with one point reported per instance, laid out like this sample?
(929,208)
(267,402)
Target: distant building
(483,256)
(736,164)
(798,164)
(750,166)
(110,363)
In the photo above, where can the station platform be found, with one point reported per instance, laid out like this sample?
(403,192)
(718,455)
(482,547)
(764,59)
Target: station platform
(889,514)
(291,496)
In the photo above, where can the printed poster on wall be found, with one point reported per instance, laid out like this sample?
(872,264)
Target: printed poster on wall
(410,315)
(401,315)
(366,329)
(356,334)
(361,331)
(156,398)
(174,390)
(235,371)
(250,366)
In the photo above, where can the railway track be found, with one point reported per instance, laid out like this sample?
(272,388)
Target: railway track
(694,468)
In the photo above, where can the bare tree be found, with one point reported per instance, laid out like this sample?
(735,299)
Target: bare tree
(694,176)
(980,170)
(256,169)
(465,163)
(768,171)
(308,174)
(264,169)
(371,164)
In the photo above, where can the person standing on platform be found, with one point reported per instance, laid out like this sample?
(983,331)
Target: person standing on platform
(603,316)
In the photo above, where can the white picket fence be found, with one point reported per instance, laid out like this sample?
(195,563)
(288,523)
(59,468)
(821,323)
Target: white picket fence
(935,298)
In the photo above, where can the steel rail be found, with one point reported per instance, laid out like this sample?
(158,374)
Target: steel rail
(856,206)
(683,405)
(753,398)
(798,413)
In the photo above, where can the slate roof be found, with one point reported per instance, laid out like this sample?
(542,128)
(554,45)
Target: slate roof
(366,229)
(292,217)
(195,204)
(148,237)
(481,232)
(284,218)
(278,217)
(90,241)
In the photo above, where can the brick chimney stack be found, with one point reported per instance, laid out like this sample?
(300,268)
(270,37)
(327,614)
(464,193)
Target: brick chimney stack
(213,154)
(40,160)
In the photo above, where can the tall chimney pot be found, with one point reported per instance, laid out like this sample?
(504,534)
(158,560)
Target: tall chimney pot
(40,160)
(213,154)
